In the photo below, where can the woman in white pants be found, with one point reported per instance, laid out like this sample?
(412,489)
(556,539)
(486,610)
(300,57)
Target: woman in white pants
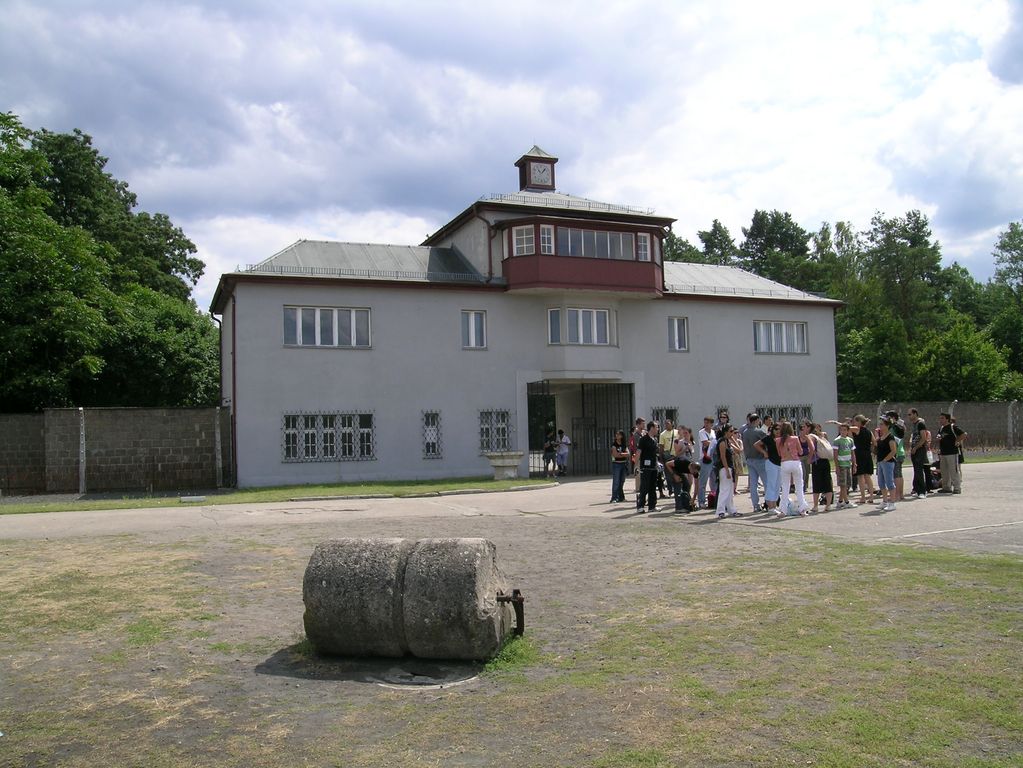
(791,473)
(725,463)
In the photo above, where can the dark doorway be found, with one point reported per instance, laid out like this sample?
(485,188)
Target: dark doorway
(606,408)
(541,406)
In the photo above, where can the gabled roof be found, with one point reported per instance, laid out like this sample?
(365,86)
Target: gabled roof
(553,203)
(362,261)
(391,262)
(683,278)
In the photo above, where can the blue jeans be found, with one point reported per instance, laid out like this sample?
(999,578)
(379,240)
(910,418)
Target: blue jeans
(886,474)
(706,475)
(618,472)
(772,481)
(756,471)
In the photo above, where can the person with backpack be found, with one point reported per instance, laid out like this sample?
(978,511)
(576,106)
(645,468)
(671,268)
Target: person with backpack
(898,429)
(823,487)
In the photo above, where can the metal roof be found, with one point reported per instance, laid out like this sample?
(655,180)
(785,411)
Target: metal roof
(683,278)
(319,258)
(561,202)
(537,152)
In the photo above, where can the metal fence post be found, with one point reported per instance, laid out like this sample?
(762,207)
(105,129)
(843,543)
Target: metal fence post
(216,448)
(81,451)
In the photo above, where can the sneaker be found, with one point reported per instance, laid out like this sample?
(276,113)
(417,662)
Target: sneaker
(737,514)
(942,490)
(957,491)
(889,507)
(721,515)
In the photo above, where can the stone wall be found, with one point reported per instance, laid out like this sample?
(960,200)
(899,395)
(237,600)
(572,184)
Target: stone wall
(990,425)
(22,453)
(126,449)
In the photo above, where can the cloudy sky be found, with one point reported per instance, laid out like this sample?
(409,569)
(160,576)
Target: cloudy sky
(253,123)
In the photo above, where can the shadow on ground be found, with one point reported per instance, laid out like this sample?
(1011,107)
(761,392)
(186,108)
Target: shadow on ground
(296,661)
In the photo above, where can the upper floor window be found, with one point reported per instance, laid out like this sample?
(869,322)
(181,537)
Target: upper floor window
(546,239)
(643,247)
(326,327)
(522,238)
(787,338)
(474,329)
(582,326)
(596,244)
(678,334)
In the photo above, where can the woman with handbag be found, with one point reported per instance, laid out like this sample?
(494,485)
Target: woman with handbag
(823,488)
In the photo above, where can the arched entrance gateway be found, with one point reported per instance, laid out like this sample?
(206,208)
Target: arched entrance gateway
(588,412)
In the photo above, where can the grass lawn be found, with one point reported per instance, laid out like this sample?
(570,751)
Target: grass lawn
(725,646)
(255,495)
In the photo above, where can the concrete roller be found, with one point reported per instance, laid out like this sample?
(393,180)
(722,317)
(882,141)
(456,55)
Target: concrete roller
(432,598)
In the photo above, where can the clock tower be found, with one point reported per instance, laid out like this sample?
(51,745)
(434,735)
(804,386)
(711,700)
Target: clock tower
(536,171)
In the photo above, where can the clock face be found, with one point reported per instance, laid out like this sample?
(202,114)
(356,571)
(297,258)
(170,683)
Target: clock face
(539,173)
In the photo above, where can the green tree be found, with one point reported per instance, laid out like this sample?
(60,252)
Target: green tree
(679,249)
(144,249)
(161,352)
(906,265)
(777,248)
(94,306)
(53,303)
(874,362)
(718,245)
(1008,255)
(962,363)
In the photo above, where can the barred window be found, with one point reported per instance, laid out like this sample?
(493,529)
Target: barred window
(291,438)
(431,435)
(664,412)
(793,413)
(494,431)
(327,437)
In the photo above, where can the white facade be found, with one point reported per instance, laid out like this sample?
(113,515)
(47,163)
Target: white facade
(424,392)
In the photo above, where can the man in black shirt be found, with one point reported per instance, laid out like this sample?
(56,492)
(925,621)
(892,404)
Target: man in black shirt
(921,442)
(647,449)
(950,439)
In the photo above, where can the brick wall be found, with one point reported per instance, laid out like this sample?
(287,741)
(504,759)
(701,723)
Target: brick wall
(990,425)
(22,453)
(126,449)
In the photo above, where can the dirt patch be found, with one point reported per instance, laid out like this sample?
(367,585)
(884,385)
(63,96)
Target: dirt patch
(661,643)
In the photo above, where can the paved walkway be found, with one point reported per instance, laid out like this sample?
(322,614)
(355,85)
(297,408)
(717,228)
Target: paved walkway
(987,517)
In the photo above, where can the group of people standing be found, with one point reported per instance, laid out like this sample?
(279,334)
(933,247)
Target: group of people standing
(784,457)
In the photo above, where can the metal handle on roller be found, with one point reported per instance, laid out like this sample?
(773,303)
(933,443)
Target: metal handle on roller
(518,604)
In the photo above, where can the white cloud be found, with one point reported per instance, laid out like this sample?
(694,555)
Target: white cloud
(254,125)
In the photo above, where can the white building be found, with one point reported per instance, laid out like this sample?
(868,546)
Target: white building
(347,361)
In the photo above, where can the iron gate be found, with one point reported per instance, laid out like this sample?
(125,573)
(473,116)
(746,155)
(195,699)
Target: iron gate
(606,408)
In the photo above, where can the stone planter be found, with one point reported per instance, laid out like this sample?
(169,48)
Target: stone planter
(505,464)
